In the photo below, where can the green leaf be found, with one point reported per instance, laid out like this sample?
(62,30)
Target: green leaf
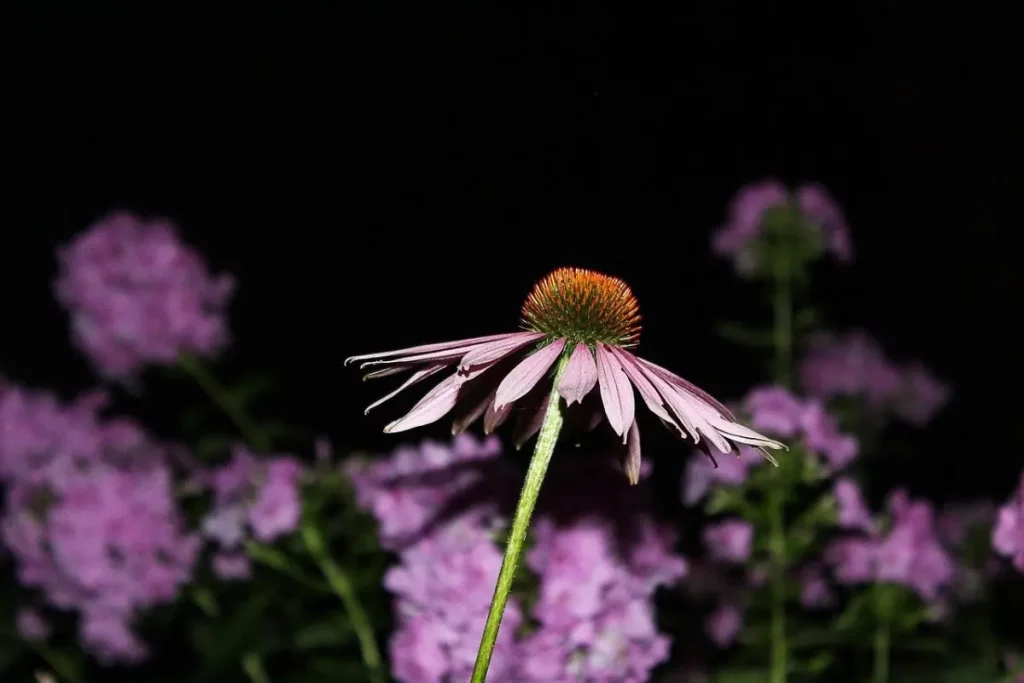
(331,633)
(204,598)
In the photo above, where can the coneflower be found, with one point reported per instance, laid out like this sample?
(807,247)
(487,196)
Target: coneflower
(581,324)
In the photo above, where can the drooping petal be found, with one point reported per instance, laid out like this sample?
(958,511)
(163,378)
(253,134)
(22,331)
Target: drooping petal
(525,376)
(475,411)
(492,352)
(416,377)
(530,421)
(580,375)
(387,372)
(745,435)
(436,404)
(631,366)
(689,387)
(430,348)
(495,417)
(688,410)
(632,464)
(616,391)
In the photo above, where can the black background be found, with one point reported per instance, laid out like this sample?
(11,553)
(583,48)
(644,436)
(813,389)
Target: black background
(379,175)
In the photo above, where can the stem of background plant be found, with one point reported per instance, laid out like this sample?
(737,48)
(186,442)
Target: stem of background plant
(343,588)
(782,335)
(335,575)
(223,400)
(883,633)
(546,440)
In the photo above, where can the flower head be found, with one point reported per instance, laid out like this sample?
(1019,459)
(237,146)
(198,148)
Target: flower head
(581,322)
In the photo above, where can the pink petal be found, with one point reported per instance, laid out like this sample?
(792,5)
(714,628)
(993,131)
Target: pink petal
(387,372)
(650,396)
(580,375)
(495,417)
(745,435)
(688,410)
(531,421)
(632,464)
(429,348)
(436,404)
(616,391)
(464,422)
(496,350)
(688,387)
(416,377)
(525,376)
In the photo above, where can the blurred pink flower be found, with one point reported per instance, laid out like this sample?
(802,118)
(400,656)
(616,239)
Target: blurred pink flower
(729,541)
(587,319)
(137,295)
(724,624)
(1008,535)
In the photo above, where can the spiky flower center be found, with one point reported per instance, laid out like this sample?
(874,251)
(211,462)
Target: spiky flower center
(584,307)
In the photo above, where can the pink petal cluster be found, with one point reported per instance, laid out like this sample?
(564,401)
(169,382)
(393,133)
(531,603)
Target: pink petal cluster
(448,559)
(90,517)
(593,619)
(137,295)
(854,365)
(746,217)
(909,552)
(254,497)
(1008,535)
(492,375)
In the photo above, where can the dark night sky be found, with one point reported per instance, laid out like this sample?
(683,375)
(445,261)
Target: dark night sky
(380,174)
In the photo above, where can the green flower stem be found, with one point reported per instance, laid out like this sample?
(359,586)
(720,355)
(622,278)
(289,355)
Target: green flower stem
(223,400)
(546,440)
(777,549)
(782,333)
(883,633)
(336,577)
(343,588)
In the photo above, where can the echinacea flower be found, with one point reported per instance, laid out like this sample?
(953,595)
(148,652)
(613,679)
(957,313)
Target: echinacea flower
(588,321)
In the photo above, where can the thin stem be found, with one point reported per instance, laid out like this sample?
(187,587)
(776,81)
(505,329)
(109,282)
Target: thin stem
(546,440)
(223,400)
(777,548)
(782,305)
(782,334)
(883,635)
(342,586)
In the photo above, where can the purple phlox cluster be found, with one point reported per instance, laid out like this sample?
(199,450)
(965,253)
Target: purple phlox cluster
(137,295)
(593,619)
(253,497)
(729,541)
(448,560)
(595,611)
(31,624)
(908,552)
(775,409)
(90,516)
(1008,534)
(701,475)
(746,219)
(854,365)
